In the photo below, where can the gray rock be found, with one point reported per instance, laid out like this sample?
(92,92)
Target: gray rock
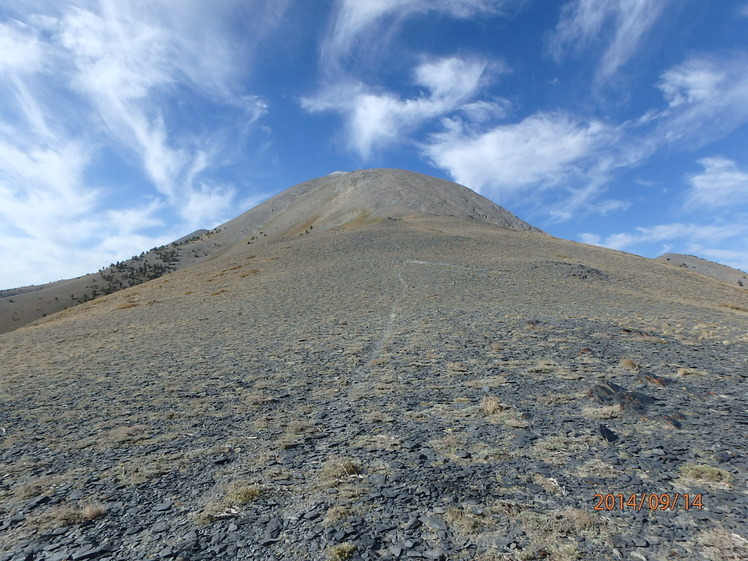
(434,523)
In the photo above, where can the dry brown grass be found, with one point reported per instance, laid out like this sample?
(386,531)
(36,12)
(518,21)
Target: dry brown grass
(125,434)
(464,521)
(735,307)
(140,470)
(548,483)
(341,551)
(70,515)
(629,364)
(448,443)
(38,486)
(597,468)
(228,504)
(601,413)
(702,474)
(551,532)
(560,398)
(544,367)
(456,368)
(339,470)
(720,545)
(558,449)
(335,514)
(301,427)
(242,492)
(490,382)
(378,417)
(690,372)
(491,405)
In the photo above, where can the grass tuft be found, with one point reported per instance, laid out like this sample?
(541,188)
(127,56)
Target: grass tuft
(70,515)
(242,492)
(335,514)
(628,364)
(491,405)
(735,307)
(337,470)
(464,521)
(705,474)
(341,551)
(235,494)
(690,372)
(600,413)
(720,545)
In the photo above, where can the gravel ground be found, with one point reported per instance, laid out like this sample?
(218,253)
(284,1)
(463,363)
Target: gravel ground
(420,388)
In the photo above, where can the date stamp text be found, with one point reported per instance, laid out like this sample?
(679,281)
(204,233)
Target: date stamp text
(648,501)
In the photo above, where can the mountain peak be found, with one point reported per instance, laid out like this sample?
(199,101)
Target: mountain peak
(342,197)
(339,199)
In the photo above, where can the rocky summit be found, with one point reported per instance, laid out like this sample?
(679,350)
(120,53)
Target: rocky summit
(379,365)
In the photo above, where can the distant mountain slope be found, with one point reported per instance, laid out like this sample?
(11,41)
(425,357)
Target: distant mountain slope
(705,267)
(322,203)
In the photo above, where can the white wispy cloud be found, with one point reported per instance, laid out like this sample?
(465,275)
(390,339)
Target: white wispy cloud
(367,26)
(19,49)
(707,98)
(715,206)
(362,33)
(124,58)
(735,258)
(541,152)
(716,241)
(721,184)
(623,24)
(41,187)
(76,78)
(374,120)
(697,233)
(544,152)
(539,149)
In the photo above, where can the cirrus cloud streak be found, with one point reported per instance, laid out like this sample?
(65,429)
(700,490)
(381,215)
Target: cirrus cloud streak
(91,86)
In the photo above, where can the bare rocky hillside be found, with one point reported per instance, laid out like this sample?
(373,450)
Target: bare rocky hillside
(705,267)
(400,385)
(324,203)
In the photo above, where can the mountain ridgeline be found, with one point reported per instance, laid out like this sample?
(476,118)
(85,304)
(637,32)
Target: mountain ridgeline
(327,202)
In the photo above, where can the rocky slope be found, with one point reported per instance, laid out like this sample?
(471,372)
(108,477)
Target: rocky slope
(402,386)
(705,267)
(324,203)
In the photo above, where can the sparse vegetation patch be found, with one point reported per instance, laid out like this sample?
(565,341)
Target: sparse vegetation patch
(342,551)
(721,545)
(703,474)
(70,515)
(339,470)
(629,364)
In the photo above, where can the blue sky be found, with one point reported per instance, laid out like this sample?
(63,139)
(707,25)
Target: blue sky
(127,124)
